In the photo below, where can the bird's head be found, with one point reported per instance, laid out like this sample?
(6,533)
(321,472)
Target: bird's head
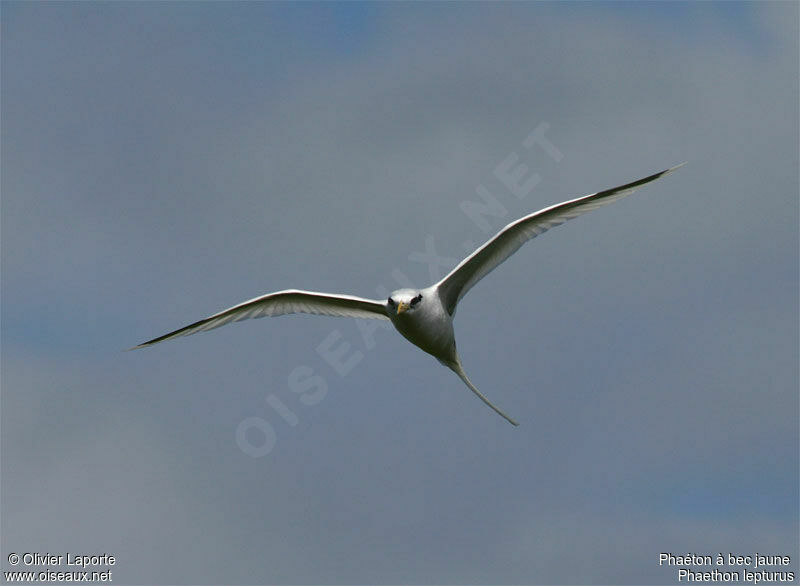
(404,300)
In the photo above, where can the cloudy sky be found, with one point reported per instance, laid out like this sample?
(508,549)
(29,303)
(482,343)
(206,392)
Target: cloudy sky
(163,161)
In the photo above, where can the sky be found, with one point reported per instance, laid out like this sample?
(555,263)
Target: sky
(164,161)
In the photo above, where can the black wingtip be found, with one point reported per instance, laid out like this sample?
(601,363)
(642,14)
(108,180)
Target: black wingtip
(671,169)
(136,347)
(658,175)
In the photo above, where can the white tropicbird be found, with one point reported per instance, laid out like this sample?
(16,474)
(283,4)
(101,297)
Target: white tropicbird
(423,316)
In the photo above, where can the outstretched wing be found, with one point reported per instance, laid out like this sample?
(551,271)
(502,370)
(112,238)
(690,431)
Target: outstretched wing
(486,258)
(282,303)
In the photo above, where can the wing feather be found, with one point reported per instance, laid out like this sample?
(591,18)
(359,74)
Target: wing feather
(282,303)
(489,256)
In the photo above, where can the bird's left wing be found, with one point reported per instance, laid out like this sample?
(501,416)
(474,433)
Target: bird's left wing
(282,303)
(484,260)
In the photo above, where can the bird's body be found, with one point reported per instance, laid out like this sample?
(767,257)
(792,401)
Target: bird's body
(423,316)
(427,324)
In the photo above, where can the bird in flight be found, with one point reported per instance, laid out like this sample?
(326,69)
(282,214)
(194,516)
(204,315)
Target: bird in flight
(423,316)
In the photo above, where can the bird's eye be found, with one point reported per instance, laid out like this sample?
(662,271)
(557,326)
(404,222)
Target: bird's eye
(416,300)
(391,301)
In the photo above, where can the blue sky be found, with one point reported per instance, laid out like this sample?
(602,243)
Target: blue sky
(163,161)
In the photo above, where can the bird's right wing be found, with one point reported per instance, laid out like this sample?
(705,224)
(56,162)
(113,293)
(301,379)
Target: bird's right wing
(282,303)
(486,258)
